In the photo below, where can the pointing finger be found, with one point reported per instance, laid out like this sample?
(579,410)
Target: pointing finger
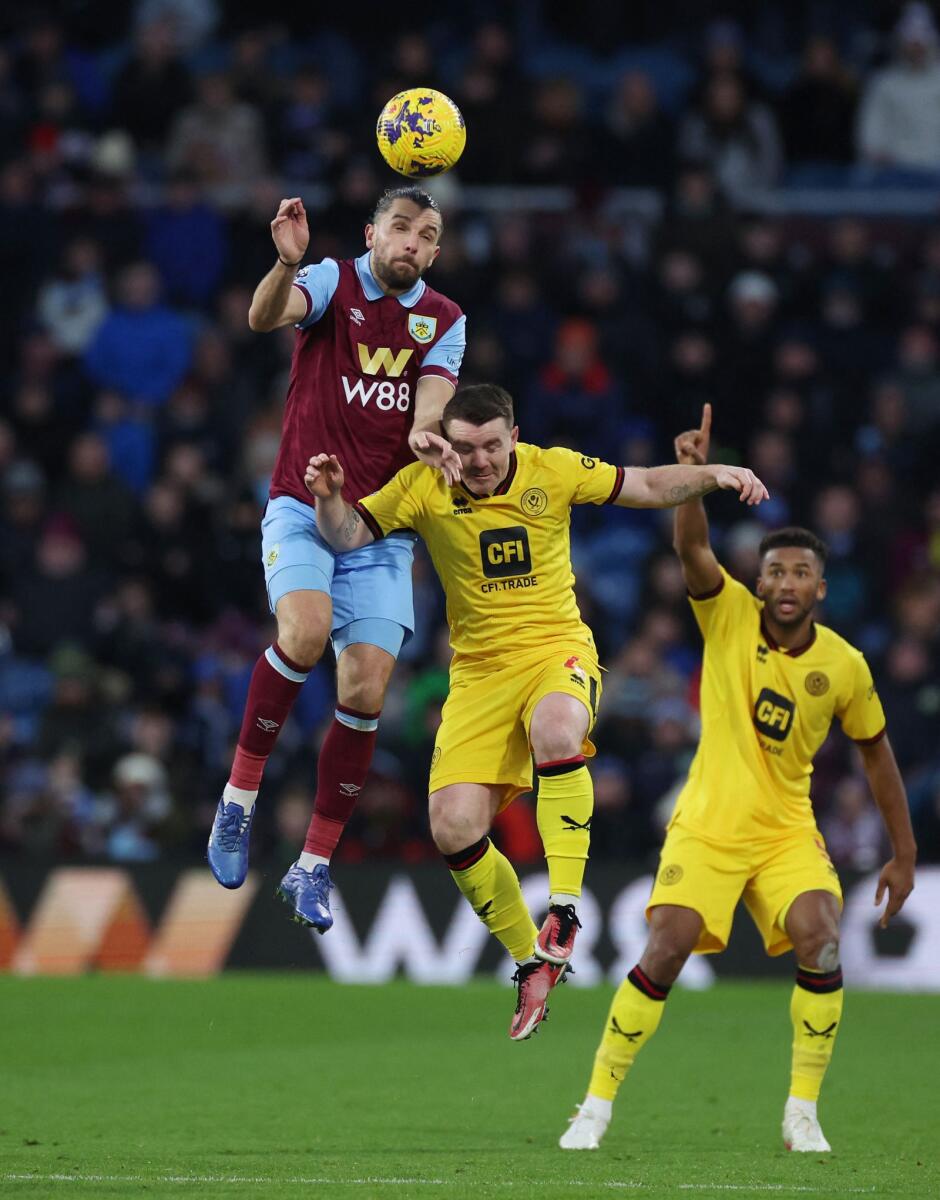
(706,419)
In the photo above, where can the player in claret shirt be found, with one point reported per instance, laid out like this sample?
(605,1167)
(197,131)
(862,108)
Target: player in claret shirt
(743,826)
(524,678)
(376,358)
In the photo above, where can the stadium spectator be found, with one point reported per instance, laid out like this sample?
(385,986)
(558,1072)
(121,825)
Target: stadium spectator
(575,400)
(219,140)
(737,136)
(637,145)
(899,118)
(72,305)
(187,241)
(818,109)
(142,348)
(151,88)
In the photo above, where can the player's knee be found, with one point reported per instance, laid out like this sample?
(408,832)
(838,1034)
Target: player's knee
(554,740)
(819,948)
(363,690)
(301,640)
(663,960)
(451,828)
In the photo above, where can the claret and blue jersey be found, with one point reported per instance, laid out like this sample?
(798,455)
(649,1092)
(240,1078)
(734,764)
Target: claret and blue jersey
(358,357)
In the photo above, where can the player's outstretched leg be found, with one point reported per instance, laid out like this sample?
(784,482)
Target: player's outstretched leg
(362,675)
(633,1018)
(275,684)
(487,879)
(461,812)
(363,672)
(812,924)
(565,806)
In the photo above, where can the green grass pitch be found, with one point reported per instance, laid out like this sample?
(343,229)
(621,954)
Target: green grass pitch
(268,1086)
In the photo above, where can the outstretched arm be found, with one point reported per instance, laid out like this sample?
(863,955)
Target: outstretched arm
(338,522)
(884,779)
(665,487)
(690,537)
(276,301)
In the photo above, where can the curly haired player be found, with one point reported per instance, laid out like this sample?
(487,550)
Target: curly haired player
(743,827)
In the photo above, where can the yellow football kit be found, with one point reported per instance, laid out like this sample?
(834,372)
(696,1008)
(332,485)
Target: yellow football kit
(505,564)
(743,825)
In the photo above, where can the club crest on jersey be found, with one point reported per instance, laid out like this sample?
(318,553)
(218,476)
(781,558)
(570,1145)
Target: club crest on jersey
(534,502)
(422,329)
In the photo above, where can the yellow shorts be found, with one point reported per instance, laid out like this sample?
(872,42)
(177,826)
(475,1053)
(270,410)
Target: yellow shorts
(484,731)
(711,879)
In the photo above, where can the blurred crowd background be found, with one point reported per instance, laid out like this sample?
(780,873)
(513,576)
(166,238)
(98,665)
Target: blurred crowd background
(660,204)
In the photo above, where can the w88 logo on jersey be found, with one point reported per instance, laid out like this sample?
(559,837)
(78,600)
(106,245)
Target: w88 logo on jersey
(386,394)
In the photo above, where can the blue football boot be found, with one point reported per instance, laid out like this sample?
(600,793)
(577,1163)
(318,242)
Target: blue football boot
(227,852)
(308,893)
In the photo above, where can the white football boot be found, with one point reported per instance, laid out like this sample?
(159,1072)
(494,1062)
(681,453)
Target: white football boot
(587,1126)
(801,1129)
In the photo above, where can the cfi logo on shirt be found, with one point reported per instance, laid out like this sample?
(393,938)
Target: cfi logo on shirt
(422,329)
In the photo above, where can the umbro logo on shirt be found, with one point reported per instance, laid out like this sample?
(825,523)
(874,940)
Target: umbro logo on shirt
(356,315)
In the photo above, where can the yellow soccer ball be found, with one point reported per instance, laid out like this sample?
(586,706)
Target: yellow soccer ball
(420,132)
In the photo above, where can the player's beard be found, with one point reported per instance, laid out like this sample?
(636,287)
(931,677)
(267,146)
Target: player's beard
(396,275)
(789,620)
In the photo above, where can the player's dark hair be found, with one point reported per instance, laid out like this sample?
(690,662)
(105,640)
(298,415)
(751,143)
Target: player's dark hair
(794,535)
(479,403)
(410,192)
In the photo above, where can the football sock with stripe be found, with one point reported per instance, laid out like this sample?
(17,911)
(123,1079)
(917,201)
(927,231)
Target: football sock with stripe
(491,886)
(634,1017)
(275,685)
(816,1012)
(344,762)
(563,812)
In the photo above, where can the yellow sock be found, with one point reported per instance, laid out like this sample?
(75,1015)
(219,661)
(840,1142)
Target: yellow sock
(815,1010)
(490,884)
(634,1017)
(565,805)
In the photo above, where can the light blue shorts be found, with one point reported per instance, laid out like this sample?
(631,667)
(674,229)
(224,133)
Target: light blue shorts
(370,587)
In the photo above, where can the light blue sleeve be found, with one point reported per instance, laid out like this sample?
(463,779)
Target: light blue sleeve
(318,282)
(447,351)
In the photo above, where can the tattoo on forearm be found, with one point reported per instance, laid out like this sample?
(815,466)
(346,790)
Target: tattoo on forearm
(351,524)
(687,491)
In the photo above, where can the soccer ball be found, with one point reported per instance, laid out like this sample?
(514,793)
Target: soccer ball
(420,132)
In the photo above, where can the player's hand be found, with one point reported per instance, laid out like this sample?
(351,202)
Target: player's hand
(692,446)
(324,476)
(437,452)
(739,479)
(289,230)
(897,878)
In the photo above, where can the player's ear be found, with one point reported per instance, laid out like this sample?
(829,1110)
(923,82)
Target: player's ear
(821,589)
(370,236)
(513,437)
(759,585)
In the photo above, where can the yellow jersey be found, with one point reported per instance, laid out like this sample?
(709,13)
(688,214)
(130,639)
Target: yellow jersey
(765,713)
(504,560)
